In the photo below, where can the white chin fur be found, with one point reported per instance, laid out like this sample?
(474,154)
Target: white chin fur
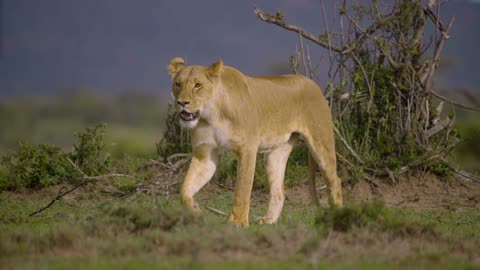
(188,124)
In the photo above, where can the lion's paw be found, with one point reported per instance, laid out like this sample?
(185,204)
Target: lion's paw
(265,220)
(241,222)
(196,208)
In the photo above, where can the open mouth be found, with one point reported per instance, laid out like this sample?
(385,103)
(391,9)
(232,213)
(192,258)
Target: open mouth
(186,116)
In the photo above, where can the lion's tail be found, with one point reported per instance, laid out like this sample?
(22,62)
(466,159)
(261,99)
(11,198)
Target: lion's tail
(312,167)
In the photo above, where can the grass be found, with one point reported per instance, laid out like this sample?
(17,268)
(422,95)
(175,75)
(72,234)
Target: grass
(93,230)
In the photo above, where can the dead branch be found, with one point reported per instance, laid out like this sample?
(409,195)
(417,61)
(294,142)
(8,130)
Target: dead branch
(302,53)
(366,33)
(171,172)
(61,193)
(454,103)
(427,78)
(345,143)
(177,155)
(325,22)
(321,188)
(266,17)
(101,177)
(86,179)
(431,14)
(216,211)
(441,125)
(389,57)
(462,173)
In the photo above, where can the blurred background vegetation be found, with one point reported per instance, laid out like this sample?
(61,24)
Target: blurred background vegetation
(135,120)
(467,153)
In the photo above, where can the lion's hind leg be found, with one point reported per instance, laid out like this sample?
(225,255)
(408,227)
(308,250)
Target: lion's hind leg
(276,162)
(322,149)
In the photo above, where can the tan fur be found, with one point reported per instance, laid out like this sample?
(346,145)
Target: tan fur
(249,114)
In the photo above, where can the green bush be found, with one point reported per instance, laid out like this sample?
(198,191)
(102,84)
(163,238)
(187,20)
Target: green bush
(36,167)
(174,140)
(469,148)
(45,165)
(89,152)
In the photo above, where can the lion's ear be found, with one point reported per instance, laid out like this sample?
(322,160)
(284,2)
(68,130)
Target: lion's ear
(175,65)
(215,69)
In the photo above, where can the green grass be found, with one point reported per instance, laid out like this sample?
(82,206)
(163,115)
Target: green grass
(99,231)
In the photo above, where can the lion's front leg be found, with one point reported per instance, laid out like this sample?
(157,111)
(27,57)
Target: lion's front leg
(201,170)
(243,188)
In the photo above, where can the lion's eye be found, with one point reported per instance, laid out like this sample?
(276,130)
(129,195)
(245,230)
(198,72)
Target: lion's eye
(178,84)
(198,86)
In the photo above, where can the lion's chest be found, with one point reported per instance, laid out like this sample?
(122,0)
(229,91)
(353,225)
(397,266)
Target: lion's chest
(218,135)
(222,136)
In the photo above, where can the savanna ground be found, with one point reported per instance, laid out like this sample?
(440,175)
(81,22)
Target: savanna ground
(416,221)
(92,228)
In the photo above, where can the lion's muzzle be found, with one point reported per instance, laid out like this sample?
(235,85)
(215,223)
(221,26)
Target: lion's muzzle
(187,116)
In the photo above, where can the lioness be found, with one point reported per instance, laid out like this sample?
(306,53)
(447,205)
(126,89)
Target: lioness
(225,109)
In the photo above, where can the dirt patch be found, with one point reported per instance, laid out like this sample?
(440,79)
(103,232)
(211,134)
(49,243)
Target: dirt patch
(419,192)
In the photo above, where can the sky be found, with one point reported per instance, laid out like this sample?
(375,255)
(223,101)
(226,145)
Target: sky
(49,47)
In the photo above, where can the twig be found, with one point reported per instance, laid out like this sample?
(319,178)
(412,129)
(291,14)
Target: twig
(172,184)
(216,211)
(357,25)
(460,172)
(266,17)
(60,195)
(330,55)
(302,53)
(429,12)
(455,103)
(174,156)
(76,167)
(343,159)
(321,188)
(427,78)
(100,177)
(345,143)
(86,179)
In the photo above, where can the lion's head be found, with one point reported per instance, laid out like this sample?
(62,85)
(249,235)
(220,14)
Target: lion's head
(192,87)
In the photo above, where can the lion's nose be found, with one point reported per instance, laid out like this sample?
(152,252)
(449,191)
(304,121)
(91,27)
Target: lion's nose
(183,103)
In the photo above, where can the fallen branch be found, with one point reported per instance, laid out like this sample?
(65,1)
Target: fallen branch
(60,195)
(216,211)
(178,155)
(321,188)
(100,177)
(86,179)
